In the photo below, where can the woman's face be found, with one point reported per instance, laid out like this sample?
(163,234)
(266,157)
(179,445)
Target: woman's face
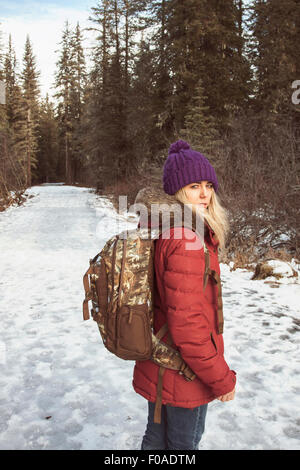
(199,193)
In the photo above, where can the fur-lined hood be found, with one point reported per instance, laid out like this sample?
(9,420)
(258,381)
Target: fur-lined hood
(154,205)
(150,195)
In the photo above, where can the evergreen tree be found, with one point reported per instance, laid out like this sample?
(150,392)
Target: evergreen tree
(2,75)
(15,146)
(19,134)
(31,94)
(163,109)
(48,142)
(140,111)
(199,127)
(77,100)
(112,149)
(97,146)
(3,124)
(275,32)
(64,84)
(206,44)
(275,28)
(70,81)
(14,138)
(10,66)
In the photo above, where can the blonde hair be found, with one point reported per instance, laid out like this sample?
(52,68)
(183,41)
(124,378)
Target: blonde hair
(215,215)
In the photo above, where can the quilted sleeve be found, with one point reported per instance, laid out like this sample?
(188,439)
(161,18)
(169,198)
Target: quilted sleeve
(188,318)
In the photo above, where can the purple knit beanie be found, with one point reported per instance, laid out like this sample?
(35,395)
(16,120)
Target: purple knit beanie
(184,166)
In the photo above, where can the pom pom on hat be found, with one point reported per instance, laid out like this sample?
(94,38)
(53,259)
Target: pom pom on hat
(185,166)
(177,146)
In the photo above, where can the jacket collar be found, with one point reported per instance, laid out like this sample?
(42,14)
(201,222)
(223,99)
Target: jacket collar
(211,235)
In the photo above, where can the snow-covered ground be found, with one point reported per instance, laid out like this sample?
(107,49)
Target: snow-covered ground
(59,387)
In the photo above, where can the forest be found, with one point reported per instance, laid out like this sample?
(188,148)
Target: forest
(222,74)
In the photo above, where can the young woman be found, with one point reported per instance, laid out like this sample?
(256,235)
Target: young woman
(190,312)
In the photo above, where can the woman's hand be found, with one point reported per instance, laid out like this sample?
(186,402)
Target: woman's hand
(228,396)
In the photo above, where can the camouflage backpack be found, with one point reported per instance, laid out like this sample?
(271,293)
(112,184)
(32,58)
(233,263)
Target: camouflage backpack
(120,285)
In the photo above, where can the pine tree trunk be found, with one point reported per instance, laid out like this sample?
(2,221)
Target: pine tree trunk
(126,45)
(67,160)
(116,17)
(104,47)
(240,24)
(4,158)
(28,150)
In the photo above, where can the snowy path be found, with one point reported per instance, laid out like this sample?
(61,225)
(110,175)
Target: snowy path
(60,389)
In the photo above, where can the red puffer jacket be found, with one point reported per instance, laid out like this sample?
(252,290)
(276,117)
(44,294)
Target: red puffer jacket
(191,315)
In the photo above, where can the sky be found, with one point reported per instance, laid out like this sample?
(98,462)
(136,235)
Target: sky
(44,22)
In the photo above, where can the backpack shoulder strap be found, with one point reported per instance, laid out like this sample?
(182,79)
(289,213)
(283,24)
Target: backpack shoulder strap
(207,270)
(88,293)
(215,276)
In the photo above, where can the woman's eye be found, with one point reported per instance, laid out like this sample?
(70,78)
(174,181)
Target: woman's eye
(195,186)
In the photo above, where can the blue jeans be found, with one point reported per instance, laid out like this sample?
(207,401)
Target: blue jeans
(180,428)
